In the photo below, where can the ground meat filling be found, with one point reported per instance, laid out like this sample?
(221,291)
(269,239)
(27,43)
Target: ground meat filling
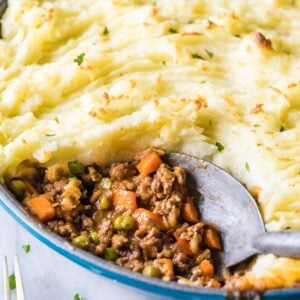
(137,214)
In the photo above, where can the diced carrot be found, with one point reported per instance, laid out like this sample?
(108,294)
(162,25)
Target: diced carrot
(189,211)
(211,239)
(41,207)
(143,216)
(206,267)
(184,245)
(149,164)
(125,200)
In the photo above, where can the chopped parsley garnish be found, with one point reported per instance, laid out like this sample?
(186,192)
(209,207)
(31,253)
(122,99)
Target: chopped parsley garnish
(56,120)
(77,297)
(247,167)
(219,146)
(197,56)
(256,125)
(258,144)
(203,81)
(172,30)
(164,62)
(281,128)
(105,31)
(49,134)
(12,281)
(209,53)
(26,248)
(79,59)
(237,35)
(210,22)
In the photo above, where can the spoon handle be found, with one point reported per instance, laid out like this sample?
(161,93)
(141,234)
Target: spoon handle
(281,243)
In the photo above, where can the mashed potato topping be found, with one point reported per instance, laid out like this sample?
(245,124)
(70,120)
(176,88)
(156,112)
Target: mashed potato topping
(100,80)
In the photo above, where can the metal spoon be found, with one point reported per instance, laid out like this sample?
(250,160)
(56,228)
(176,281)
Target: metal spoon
(227,205)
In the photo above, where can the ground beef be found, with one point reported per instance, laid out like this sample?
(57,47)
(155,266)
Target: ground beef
(204,254)
(54,189)
(87,223)
(152,233)
(169,208)
(144,191)
(134,265)
(128,185)
(150,241)
(64,229)
(55,173)
(180,175)
(193,234)
(91,176)
(120,171)
(181,262)
(71,195)
(163,182)
(118,241)
(106,230)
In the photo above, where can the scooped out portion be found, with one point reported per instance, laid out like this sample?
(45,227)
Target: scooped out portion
(137,214)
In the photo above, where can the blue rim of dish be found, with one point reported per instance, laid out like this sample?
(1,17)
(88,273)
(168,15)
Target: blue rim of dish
(114,272)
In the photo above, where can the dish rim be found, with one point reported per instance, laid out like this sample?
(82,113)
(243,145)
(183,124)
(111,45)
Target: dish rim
(112,271)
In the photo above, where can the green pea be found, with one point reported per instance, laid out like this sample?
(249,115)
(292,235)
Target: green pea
(81,241)
(95,237)
(105,183)
(152,271)
(124,223)
(104,202)
(18,187)
(128,223)
(110,254)
(75,167)
(118,223)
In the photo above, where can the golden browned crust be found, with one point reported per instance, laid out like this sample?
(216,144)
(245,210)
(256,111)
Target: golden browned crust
(263,42)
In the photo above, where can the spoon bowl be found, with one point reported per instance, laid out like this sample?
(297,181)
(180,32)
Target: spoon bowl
(226,204)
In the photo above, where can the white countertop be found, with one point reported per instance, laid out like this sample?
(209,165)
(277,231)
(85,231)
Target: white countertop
(48,275)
